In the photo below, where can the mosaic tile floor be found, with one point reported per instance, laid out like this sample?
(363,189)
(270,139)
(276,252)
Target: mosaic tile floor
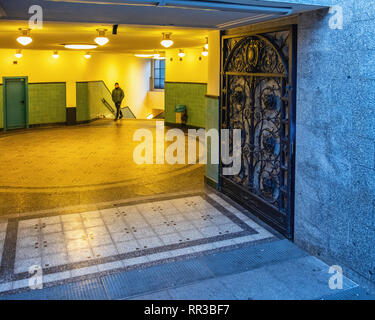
(122,236)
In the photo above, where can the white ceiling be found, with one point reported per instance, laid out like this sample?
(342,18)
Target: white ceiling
(129,39)
(141,22)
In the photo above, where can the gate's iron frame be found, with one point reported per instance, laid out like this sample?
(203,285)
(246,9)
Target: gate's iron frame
(255,204)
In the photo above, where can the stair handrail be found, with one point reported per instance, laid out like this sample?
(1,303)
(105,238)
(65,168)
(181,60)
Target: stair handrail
(110,92)
(127,107)
(109,107)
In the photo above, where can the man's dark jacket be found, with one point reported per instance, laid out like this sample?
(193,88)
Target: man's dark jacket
(117,95)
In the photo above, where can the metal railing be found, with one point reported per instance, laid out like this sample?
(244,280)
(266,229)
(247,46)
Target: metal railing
(109,107)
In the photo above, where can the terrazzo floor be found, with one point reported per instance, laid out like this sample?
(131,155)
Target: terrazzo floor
(120,236)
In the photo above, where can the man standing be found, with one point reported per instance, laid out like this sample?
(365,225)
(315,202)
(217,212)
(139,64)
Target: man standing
(117,97)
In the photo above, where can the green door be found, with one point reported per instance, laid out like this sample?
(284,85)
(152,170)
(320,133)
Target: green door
(15,103)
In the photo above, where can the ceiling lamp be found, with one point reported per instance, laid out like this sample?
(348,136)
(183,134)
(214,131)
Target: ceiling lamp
(55,55)
(80,46)
(87,55)
(181,54)
(18,54)
(206,45)
(166,42)
(156,54)
(144,55)
(205,52)
(24,38)
(101,39)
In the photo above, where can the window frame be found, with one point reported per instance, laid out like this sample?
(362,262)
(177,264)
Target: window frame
(153,63)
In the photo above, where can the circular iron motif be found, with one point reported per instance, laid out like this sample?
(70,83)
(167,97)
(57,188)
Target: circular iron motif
(269,143)
(269,185)
(238,96)
(269,101)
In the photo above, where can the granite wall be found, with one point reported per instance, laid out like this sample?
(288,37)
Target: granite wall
(335,133)
(335,143)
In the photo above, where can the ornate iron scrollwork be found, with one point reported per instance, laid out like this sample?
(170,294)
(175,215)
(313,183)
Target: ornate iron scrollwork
(255,79)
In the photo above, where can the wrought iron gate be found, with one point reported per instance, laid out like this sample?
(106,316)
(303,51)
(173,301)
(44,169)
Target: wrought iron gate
(258,97)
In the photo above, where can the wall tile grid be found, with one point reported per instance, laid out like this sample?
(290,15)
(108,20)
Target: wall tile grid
(47,102)
(89,100)
(190,94)
(212,122)
(1,107)
(82,101)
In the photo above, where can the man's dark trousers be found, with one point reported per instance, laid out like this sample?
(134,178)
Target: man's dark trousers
(119,112)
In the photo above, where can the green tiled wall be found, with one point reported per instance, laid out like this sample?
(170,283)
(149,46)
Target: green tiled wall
(190,94)
(89,100)
(1,107)
(212,122)
(82,93)
(47,102)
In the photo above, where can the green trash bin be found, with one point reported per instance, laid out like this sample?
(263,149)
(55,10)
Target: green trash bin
(180,110)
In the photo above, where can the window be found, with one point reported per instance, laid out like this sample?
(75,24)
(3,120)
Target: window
(158,73)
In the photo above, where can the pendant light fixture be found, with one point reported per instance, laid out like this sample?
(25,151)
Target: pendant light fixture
(205,52)
(87,55)
(181,53)
(141,55)
(55,55)
(24,38)
(101,39)
(80,46)
(166,42)
(156,54)
(18,54)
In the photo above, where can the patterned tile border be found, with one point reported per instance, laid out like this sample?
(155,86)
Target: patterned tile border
(252,234)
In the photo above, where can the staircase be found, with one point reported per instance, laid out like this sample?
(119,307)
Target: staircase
(126,111)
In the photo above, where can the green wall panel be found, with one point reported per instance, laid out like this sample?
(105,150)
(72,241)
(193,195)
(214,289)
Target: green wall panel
(212,122)
(1,108)
(89,100)
(47,102)
(190,94)
(82,96)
